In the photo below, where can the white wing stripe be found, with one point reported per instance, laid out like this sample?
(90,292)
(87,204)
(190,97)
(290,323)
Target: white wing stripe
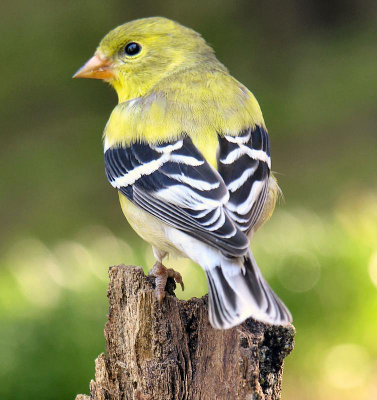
(238,139)
(237,218)
(146,169)
(220,222)
(188,160)
(135,174)
(214,217)
(195,183)
(245,207)
(168,148)
(237,183)
(182,196)
(234,155)
(259,155)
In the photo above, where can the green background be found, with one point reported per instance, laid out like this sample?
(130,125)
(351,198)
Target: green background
(313,67)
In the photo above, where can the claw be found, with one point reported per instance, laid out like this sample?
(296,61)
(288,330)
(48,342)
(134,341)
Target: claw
(176,276)
(161,275)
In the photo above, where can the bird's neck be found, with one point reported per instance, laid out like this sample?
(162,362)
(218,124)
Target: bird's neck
(132,88)
(137,85)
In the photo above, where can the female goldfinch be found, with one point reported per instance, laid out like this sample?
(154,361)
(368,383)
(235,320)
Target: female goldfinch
(188,151)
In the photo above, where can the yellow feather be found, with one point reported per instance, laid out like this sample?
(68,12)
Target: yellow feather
(223,106)
(151,229)
(174,86)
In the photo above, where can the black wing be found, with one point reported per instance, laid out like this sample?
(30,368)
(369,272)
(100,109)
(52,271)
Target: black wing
(173,182)
(244,164)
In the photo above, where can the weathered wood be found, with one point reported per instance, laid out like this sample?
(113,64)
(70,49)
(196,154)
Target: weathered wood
(170,352)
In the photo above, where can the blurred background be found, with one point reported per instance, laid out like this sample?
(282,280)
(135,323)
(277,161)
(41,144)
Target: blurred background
(313,67)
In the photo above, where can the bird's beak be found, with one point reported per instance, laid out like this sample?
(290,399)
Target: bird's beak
(97,67)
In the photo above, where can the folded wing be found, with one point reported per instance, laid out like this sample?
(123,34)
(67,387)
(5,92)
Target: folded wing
(173,182)
(244,164)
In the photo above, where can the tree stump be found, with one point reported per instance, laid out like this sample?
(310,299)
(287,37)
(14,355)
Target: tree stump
(169,351)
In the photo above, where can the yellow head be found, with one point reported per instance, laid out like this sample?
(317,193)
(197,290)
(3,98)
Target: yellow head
(135,56)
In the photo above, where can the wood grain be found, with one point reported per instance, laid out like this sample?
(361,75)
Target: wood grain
(169,351)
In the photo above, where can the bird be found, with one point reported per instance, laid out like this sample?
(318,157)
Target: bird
(187,149)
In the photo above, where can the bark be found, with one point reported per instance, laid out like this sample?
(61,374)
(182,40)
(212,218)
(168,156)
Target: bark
(169,351)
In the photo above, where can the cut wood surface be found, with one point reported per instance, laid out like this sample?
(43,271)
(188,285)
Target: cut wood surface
(169,351)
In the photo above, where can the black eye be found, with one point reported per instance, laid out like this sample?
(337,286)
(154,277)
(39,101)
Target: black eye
(132,49)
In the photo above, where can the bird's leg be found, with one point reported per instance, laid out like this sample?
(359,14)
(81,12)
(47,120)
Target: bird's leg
(161,273)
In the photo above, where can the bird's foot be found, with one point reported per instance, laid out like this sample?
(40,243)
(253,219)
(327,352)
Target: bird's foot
(161,275)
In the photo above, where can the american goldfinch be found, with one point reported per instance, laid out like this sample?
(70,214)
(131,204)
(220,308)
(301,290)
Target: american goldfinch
(188,151)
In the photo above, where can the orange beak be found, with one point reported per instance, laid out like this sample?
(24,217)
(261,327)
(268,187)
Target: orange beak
(96,68)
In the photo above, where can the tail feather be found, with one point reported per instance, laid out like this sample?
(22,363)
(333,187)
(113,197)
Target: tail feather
(237,293)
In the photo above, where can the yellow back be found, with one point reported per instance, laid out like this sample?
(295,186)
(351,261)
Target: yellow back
(174,86)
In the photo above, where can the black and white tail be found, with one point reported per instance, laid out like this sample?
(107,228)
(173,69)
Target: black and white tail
(236,294)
